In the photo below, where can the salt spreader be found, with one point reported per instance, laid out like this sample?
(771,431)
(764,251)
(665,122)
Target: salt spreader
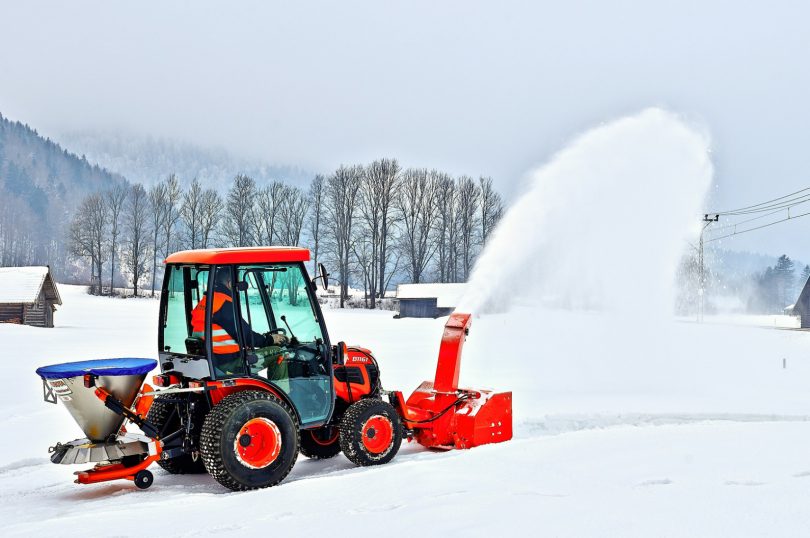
(249,378)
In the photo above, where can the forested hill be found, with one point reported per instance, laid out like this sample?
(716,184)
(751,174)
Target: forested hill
(40,184)
(148,160)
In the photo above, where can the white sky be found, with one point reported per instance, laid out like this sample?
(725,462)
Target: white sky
(472,87)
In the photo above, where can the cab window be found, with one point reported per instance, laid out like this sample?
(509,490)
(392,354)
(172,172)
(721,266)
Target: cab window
(184,288)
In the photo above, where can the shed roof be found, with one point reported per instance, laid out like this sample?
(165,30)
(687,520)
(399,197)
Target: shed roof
(447,295)
(241,255)
(21,285)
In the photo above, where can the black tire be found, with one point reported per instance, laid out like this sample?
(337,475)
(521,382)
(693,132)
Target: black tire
(143,479)
(321,443)
(221,438)
(161,412)
(360,415)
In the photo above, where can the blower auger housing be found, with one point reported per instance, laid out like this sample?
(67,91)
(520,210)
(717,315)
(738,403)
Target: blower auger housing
(249,378)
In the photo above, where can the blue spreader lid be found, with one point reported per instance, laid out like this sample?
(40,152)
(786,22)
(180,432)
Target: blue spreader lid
(128,366)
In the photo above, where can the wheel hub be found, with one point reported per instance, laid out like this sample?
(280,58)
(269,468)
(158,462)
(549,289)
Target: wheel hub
(378,433)
(258,443)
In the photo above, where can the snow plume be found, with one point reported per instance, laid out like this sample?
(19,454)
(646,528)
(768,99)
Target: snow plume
(602,225)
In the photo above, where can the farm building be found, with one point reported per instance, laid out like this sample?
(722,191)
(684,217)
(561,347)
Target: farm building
(802,306)
(428,300)
(28,296)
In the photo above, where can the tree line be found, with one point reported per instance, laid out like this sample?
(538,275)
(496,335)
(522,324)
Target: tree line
(374,225)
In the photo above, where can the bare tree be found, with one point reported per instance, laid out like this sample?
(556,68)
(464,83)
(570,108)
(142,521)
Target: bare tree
(210,212)
(446,228)
(362,251)
(292,211)
(191,212)
(236,229)
(316,202)
(469,197)
(115,199)
(171,212)
(265,213)
(416,205)
(136,222)
(157,210)
(491,207)
(379,189)
(340,195)
(88,236)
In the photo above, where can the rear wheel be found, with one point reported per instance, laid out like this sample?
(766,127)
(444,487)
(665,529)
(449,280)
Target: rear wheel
(370,432)
(165,416)
(321,443)
(249,440)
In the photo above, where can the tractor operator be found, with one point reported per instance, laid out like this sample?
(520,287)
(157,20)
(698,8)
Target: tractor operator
(224,339)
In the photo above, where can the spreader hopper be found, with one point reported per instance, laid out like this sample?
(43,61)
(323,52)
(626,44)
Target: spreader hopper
(75,384)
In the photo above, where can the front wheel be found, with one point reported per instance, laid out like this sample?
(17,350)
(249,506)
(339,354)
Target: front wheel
(370,432)
(249,440)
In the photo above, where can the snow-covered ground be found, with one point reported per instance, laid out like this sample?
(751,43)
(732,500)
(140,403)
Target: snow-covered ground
(623,427)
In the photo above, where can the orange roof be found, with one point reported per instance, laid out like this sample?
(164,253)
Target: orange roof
(240,255)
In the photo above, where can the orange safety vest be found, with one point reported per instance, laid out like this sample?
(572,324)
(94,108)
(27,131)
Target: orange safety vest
(221,342)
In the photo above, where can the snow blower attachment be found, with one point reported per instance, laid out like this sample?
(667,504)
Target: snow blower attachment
(440,415)
(242,404)
(99,395)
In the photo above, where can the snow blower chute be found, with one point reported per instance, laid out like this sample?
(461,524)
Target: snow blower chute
(249,379)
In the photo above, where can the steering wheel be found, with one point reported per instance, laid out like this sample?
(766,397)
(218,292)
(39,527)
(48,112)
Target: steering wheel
(278,330)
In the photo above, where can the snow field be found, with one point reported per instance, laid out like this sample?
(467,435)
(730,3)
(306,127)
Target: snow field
(623,427)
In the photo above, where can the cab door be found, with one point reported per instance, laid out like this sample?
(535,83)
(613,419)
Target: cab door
(276,299)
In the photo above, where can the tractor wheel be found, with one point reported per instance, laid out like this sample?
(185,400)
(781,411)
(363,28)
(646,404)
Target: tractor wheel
(370,432)
(321,443)
(161,416)
(249,440)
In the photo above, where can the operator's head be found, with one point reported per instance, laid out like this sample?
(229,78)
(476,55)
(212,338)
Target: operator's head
(223,277)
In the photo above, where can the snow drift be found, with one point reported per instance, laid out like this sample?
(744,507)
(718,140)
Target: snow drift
(603,224)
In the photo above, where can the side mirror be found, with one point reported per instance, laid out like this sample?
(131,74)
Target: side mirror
(324,276)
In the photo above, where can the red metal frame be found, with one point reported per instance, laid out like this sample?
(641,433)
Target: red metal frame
(117,471)
(213,256)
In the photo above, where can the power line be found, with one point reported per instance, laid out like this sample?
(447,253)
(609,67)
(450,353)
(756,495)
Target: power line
(781,205)
(746,208)
(735,224)
(757,227)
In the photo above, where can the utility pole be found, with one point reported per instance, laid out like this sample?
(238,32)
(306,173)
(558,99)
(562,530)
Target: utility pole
(702,269)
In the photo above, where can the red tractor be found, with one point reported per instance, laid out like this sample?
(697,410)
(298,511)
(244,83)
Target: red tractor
(250,378)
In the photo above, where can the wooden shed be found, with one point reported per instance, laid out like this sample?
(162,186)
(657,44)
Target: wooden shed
(428,300)
(28,296)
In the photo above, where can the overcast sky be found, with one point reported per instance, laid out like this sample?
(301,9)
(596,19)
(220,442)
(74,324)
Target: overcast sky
(487,88)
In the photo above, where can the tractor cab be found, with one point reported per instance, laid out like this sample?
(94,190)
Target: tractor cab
(227,316)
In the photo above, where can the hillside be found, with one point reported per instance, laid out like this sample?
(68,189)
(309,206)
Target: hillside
(40,182)
(146,159)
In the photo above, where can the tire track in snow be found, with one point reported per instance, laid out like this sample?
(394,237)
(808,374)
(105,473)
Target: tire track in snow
(569,423)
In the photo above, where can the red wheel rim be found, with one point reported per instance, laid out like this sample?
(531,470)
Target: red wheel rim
(326,436)
(378,432)
(258,443)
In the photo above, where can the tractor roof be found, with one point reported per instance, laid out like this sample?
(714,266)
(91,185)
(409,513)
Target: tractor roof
(213,256)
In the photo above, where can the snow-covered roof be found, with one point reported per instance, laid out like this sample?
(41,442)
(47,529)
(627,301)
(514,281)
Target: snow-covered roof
(23,284)
(447,295)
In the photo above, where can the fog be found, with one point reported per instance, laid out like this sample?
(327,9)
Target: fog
(492,88)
